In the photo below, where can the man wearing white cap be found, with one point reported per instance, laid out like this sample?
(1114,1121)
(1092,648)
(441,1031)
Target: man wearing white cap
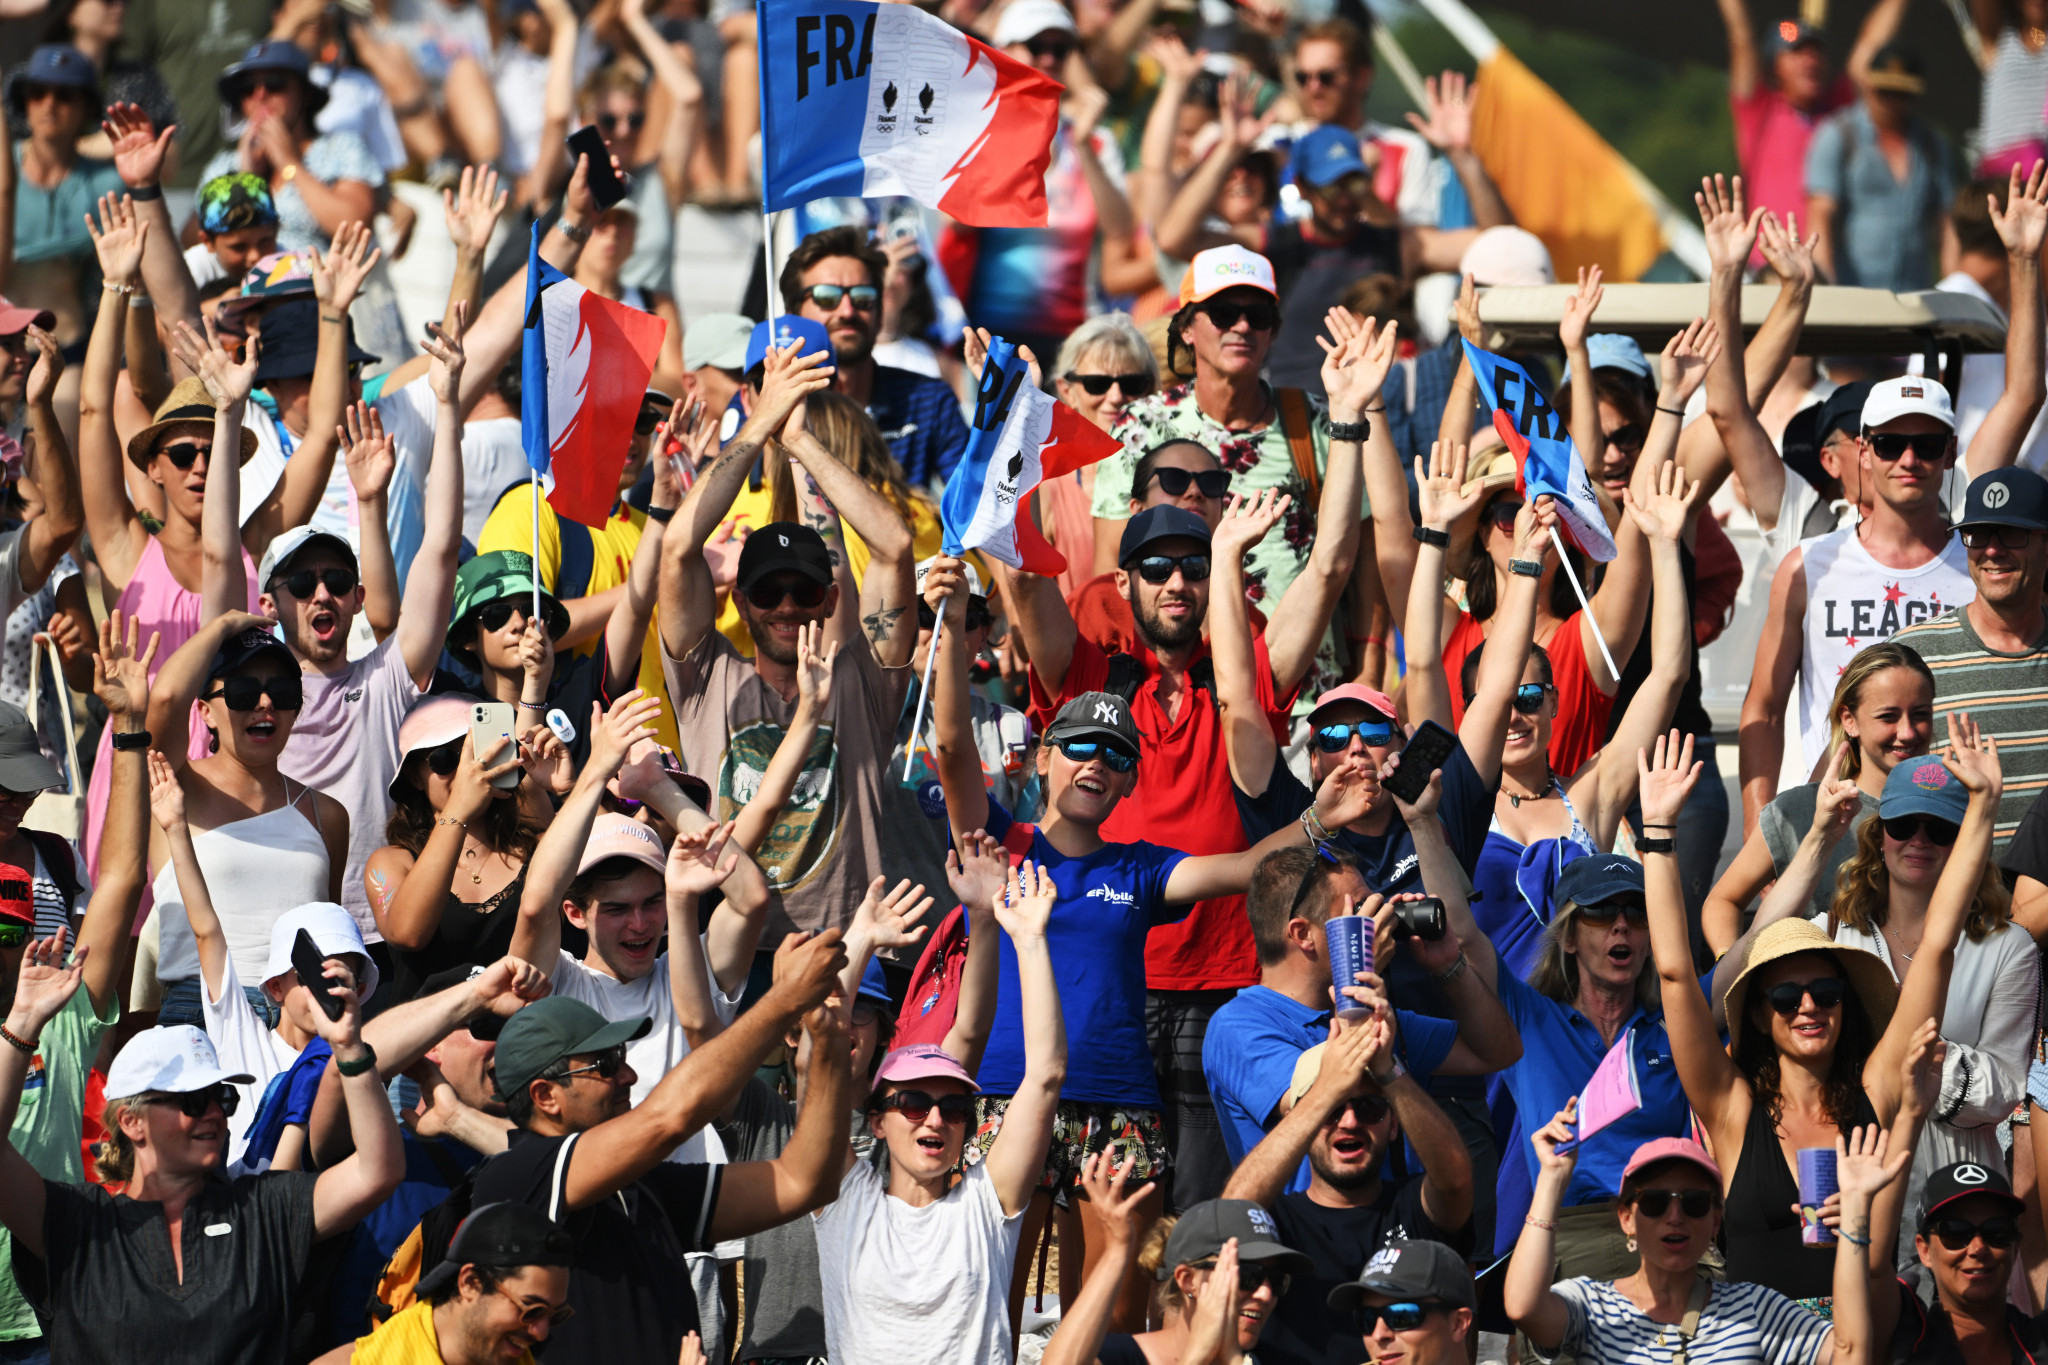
(1837,593)
(715,365)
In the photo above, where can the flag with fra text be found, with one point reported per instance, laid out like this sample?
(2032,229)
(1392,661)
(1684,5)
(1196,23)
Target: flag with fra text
(1545,459)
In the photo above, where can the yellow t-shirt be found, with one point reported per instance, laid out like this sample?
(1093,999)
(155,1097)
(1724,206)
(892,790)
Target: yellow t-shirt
(407,1339)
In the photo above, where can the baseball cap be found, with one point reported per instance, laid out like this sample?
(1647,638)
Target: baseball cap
(1787,34)
(1026,19)
(1962,1180)
(1897,70)
(1614,351)
(334,932)
(491,577)
(432,722)
(1507,256)
(17,896)
(246,646)
(922,1062)
(1672,1149)
(1226,267)
(1907,396)
(22,765)
(548,1030)
(2007,497)
(1599,877)
(719,340)
(974,584)
(1097,715)
(620,836)
(1164,522)
(15,318)
(278,558)
(174,1058)
(1326,153)
(1203,1229)
(784,547)
(503,1234)
(237,200)
(783,330)
(1378,701)
(1922,786)
(291,340)
(1410,1270)
(1843,410)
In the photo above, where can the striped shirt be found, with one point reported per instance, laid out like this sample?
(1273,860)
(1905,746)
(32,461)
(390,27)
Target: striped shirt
(2006,694)
(1742,1324)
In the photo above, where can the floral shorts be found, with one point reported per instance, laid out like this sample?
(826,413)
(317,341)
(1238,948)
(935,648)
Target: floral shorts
(1079,1131)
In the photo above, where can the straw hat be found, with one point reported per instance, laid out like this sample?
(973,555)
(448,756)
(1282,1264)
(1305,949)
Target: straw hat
(189,405)
(1868,977)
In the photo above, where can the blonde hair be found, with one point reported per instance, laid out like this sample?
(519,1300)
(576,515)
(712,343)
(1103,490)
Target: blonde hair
(1556,972)
(843,427)
(114,1155)
(1152,1256)
(1867,664)
(1863,891)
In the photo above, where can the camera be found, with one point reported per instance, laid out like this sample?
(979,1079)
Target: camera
(1423,919)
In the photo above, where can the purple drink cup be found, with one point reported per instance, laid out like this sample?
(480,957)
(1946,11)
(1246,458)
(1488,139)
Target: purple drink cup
(1816,1183)
(1350,942)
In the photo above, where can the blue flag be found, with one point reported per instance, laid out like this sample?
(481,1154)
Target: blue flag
(1545,459)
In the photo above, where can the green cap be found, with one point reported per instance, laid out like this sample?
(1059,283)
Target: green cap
(548,1030)
(492,577)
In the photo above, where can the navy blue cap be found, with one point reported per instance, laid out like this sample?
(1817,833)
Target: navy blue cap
(1325,154)
(1787,34)
(57,65)
(1924,786)
(1598,877)
(785,329)
(1158,523)
(874,986)
(2007,497)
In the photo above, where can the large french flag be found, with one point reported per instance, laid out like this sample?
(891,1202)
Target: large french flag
(1020,436)
(867,99)
(583,369)
(1545,459)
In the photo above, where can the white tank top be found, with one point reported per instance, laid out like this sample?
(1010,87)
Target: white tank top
(1853,601)
(256,869)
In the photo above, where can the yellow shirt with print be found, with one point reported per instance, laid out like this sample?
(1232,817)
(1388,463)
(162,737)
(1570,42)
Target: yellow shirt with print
(408,1339)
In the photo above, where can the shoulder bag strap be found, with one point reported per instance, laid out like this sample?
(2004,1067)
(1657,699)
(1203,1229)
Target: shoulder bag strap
(1690,1323)
(558,1182)
(1294,421)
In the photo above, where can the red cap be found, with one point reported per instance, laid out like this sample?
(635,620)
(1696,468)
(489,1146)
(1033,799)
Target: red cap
(14,318)
(1672,1149)
(1378,701)
(17,896)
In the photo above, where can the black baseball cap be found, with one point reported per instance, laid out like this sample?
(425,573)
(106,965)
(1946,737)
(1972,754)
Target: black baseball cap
(2007,497)
(548,1030)
(483,1025)
(245,647)
(1203,1229)
(1410,1271)
(291,340)
(502,1235)
(784,547)
(1599,877)
(1097,715)
(1157,523)
(1843,411)
(1962,1180)
(22,765)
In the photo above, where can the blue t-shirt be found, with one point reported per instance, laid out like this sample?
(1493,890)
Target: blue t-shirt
(1253,1042)
(288,1099)
(1108,902)
(920,419)
(1515,894)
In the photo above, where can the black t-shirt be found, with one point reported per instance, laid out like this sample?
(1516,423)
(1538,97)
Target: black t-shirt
(1690,715)
(1304,1329)
(1120,1348)
(630,1284)
(2027,854)
(1924,1335)
(112,1290)
(1312,278)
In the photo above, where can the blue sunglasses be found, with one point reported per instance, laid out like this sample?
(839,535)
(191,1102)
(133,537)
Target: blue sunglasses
(1083,750)
(1335,739)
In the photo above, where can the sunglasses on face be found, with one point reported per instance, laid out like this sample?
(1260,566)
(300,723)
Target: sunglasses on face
(1053,48)
(1956,1234)
(978,618)
(1088,750)
(1250,1275)
(1657,1203)
(1606,912)
(648,420)
(443,761)
(1502,513)
(2005,537)
(286,692)
(13,935)
(1827,992)
(1528,698)
(193,1104)
(827,296)
(1890,445)
(606,1066)
(1133,385)
(184,454)
(1262,314)
(533,1316)
(1214,483)
(1628,439)
(1401,1317)
(1312,79)
(495,616)
(1365,1108)
(632,123)
(270,83)
(1159,568)
(302,583)
(1336,738)
(1940,833)
(770,595)
(916,1106)
(31,93)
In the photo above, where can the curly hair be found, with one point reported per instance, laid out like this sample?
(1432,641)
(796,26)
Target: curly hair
(1756,1057)
(505,827)
(1863,891)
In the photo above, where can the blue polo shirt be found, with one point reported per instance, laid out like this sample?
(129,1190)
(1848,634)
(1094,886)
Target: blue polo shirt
(1253,1041)
(921,422)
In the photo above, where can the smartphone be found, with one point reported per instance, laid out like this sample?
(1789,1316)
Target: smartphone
(308,962)
(606,188)
(490,739)
(1426,750)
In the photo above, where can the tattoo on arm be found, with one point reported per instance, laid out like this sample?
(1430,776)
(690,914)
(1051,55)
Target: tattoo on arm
(881,624)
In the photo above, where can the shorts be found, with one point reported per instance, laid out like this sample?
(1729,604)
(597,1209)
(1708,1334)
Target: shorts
(1079,1131)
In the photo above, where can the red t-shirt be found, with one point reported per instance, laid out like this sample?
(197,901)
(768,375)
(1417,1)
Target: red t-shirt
(1582,708)
(1183,799)
(1770,145)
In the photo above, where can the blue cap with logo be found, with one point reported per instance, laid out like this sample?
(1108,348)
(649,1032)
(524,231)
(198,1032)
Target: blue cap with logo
(781,331)
(1325,154)
(1923,786)
(1599,877)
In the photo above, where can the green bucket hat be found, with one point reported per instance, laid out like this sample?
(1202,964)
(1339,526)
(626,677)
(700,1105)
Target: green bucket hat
(493,577)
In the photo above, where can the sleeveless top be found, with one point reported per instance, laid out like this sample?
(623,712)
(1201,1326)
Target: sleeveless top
(1853,601)
(1514,885)
(471,933)
(1760,1226)
(2011,100)
(256,869)
(1580,729)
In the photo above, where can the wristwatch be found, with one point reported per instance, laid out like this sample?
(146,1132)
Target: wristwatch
(1351,431)
(1527,568)
(129,741)
(1429,535)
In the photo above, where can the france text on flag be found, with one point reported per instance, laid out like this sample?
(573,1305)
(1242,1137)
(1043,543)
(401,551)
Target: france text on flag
(583,370)
(867,99)
(1545,459)
(1020,436)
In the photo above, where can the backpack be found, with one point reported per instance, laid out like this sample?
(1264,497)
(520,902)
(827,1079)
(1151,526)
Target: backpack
(59,861)
(933,1000)
(427,1244)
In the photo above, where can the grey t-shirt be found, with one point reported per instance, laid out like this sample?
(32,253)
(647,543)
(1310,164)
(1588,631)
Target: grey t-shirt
(1784,824)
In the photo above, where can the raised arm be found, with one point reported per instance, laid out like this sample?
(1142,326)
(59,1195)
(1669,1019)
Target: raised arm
(139,149)
(1183,228)
(44,988)
(1761,739)
(694,871)
(1485,729)
(430,585)
(814,697)
(1247,729)
(1355,1051)
(1177,70)
(182,678)
(1585,414)
(625,630)
(224,582)
(1017,1157)
(408,892)
(50,535)
(1745,70)
(1448,101)
(1085,1321)
(1880,26)
(2022,226)
(118,536)
(1866,1162)
(976,874)
(756,1195)
(1526,1295)
(371,456)
(471,211)
(167,804)
(1731,235)
(121,682)
(888,590)
(347,1191)
(685,94)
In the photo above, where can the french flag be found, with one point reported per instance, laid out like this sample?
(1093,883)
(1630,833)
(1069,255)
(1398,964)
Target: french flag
(583,369)
(867,99)
(1020,436)
(1545,459)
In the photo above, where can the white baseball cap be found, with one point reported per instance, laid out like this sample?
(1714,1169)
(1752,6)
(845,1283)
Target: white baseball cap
(1908,396)
(1026,19)
(176,1059)
(289,543)
(1507,256)
(1226,267)
(334,932)
(974,585)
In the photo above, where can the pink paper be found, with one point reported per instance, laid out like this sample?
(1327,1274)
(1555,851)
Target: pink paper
(1612,1093)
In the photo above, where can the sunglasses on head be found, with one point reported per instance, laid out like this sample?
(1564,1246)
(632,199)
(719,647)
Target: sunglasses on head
(303,583)
(1956,1234)
(1627,439)
(193,1104)
(1827,992)
(769,595)
(1502,513)
(287,692)
(1159,568)
(916,1106)
(2005,537)
(1335,738)
(1401,1317)
(1250,1275)
(827,296)
(1606,911)
(1214,483)
(1940,833)
(606,1066)
(184,454)
(1262,314)
(1133,385)
(1088,750)
(1928,445)
(1528,698)
(1656,1203)
(978,618)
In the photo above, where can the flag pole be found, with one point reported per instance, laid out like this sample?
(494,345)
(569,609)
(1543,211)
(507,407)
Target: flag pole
(768,257)
(1565,562)
(924,691)
(536,548)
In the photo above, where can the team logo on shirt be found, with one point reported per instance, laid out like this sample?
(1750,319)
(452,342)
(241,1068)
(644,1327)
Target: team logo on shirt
(806,831)
(1112,894)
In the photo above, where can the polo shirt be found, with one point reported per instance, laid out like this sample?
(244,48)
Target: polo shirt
(921,423)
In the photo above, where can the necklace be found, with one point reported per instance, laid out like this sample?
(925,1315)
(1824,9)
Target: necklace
(476,874)
(1515,799)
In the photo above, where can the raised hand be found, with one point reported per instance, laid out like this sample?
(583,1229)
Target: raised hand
(1356,360)
(1973,756)
(1468,313)
(472,209)
(1441,494)
(1448,100)
(1025,907)
(976,874)
(945,588)
(49,367)
(139,149)
(1579,308)
(1665,513)
(787,379)
(1861,1164)
(470,789)
(45,986)
(1347,794)
(338,278)
(1559,1129)
(120,679)
(547,761)
(814,659)
(1212,1333)
(1730,227)
(226,382)
(613,733)
(1839,799)
(1237,112)
(1786,254)
(694,868)
(1245,523)
(369,452)
(340,983)
(807,966)
(537,651)
(166,793)
(1920,1073)
(1177,65)
(1425,806)
(62,632)
(444,346)
(508,985)
(891,921)
(117,239)
(1533,527)
(1686,359)
(1116,1211)
(2024,223)
(1666,779)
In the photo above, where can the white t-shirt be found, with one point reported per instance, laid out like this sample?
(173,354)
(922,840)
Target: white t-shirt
(1742,1324)
(245,1043)
(914,1285)
(204,265)
(493,459)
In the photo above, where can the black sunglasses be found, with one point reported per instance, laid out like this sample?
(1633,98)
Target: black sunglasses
(1998,1232)
(445,759)
(302,583)
(1336,738)
(287,692)
(184,454)
(1502,513)
(1133,385)
(269,82)
(1628,439)
(916,1106)
(1528,698)
(2005,537)
(1262,314)
(1159,568)
(606,1066)
(193,1104)
(1928,445)
(1214,483)
(1656,1203)
(1367,1108)
(1402,1317)
(827,296)
(1827,992)
(1087,750)
(768,596)
(1251,1274)
(1050,47)
(978,618)
(1940,833)
(650,417)
(634,122)
(1605,911)
(496,615)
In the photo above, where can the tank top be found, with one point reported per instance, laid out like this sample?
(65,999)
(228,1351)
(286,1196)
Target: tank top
(1580,728)
(256,869)
(1515,883)
(1853,601)
(471,933)
(1761,1229)
(2010,103)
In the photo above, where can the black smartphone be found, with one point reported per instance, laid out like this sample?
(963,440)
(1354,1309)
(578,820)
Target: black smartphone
(1424,752)
(308,962)
(606,188)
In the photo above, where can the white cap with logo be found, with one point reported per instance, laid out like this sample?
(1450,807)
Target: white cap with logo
(1907,396)
(176,1059)
(1226,267)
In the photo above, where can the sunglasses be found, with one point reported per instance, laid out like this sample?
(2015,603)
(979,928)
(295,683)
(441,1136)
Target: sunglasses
(1250,1275)
(444,760)
(1401,1317)
(1998,1233)
(916,1106)
(1365,1108)
(978,618)
(31,93)
(1088,750)
(1332,77)
(1940,833)
(606,1066)
(2005,537)
(1827,992)
(534,1316)
(1606,911)
(496,615)
(1928,445)
(632,122)
(1056,48)
(1656,1203)
(1262,314)
(648,420)
(302,583)
(1133,385)
(827,296)
(1335,739)
(184,454)
(1628,439)
(270,83)
(287,692)
(13,935)
(1159,568)
(194,1103)
(1502,513)
(1528,698)
(1214,483)
(768,596)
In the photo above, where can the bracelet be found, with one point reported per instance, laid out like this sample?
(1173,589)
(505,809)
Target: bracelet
(1533,1221)
(1656,845)
(1675,412)
(451,820)
(1429,535)
(21,1045)
(533,705)
(131,741)
(1647,824)
(1853,1240)
(112,288)
(144,194)
(1349,638)
(1381,408)
(661,514)
(1450,973)
(367,1062)
(138,299)
(1351,431)
(336,318)
(1312,828)
(1527,568)
(578,233)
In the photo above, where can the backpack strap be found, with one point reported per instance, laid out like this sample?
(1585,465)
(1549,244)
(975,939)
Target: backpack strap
(58,860)
(1294,422)
(1126,676)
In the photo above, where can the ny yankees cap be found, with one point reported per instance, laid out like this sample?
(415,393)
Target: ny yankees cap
(1962,1180)
(1097,715)
(2007,497)
(784,547)
(1410,1271)
(1203,1229)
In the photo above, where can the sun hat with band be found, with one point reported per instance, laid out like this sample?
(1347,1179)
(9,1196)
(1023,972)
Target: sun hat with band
(432,722)
(493,577)
(174,1059)
(1923,786)
(500,1236)
(1486,472)
(189,410)
(548,1030)
(1865,972)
